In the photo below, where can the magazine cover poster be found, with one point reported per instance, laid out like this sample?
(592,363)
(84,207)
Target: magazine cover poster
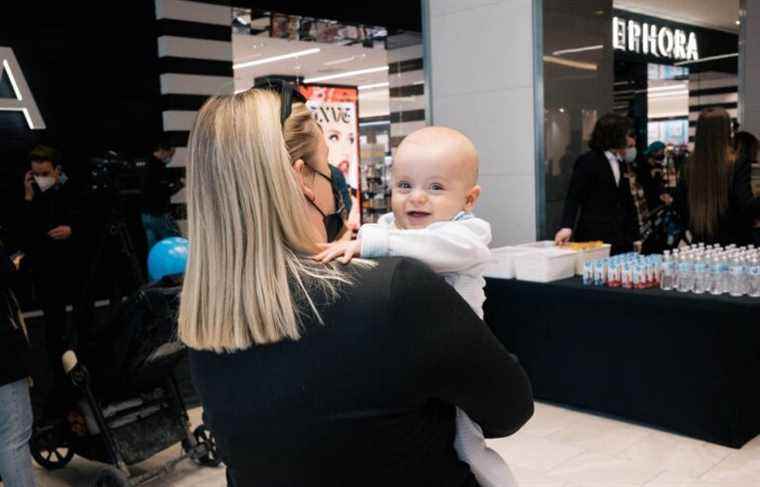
(336,111)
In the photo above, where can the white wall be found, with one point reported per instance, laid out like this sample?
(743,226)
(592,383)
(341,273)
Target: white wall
(481,61)
(750,69)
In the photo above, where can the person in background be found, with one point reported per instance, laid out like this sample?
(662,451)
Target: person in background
(747,147)
(715,197)
(599,197)
(16,416)
(344,374)
(650,171)
(158,188)
(50,228)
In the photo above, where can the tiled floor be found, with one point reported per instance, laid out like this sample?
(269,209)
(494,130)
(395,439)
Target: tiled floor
(557,448)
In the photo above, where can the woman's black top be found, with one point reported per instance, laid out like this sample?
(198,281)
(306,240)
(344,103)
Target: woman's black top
(367,399)
(14,349)
(735,225)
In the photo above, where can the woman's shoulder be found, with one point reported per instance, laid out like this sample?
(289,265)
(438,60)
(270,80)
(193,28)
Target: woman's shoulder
(386,272)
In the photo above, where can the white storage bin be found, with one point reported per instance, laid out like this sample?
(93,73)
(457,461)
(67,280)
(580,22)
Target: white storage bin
(546,263)
(503,264)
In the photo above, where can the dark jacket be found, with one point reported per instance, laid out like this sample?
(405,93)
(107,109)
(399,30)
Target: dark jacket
(735,225)
(367,399)
(57,206)
(158,187)
(14,349)
(606,210)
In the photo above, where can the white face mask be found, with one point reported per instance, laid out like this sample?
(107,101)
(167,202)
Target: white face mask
(45,182)
(630,154)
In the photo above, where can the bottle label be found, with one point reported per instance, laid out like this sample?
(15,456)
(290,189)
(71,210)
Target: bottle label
(736,270)
(683,267)
(700,267)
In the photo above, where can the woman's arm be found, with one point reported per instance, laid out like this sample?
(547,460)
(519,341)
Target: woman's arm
(462,362)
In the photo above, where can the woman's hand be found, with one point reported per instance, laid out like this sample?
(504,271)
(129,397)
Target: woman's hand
(347,249)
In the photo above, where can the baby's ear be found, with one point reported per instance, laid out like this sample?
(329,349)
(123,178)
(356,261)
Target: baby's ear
(472,198)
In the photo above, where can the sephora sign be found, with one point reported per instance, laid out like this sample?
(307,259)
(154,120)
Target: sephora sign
(22,99)
(653,40)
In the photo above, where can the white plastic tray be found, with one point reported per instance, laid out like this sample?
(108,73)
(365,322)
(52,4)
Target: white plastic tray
(503,264)
(545,263)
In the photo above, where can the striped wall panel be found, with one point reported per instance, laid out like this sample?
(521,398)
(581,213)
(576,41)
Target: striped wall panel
(195,62)
(711,89)
(406,76)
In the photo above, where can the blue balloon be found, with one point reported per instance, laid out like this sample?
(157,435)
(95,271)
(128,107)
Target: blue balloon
(167,258)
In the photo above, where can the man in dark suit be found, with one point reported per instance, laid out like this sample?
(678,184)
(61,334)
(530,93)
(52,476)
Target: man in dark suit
(600,191)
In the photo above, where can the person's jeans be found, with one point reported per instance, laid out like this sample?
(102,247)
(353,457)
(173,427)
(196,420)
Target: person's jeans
(15,431)
(158,227)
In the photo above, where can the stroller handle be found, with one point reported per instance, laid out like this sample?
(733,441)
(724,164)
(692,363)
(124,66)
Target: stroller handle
(69,360)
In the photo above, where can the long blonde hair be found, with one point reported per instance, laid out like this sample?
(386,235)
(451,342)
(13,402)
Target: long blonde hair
(249,275)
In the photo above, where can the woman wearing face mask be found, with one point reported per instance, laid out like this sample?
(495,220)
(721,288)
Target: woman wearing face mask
(321,374)
(599,197)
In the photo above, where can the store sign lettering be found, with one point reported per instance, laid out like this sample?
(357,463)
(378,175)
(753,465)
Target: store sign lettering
(22,101)
(653,40)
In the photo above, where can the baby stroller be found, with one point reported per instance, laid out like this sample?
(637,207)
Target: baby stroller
(127,405)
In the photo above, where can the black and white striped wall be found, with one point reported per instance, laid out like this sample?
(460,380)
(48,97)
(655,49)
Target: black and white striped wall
(711,89)
(195,59)
(406,76)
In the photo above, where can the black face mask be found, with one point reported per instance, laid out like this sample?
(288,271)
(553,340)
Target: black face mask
(334,222)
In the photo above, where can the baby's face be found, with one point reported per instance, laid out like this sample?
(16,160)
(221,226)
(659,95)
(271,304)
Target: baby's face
(429,186)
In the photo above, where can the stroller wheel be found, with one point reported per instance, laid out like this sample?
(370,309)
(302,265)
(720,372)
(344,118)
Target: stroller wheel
(204,437)
(111,477)
(50,449)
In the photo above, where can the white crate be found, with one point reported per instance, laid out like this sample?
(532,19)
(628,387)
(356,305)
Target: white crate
(545,263)
(503,264)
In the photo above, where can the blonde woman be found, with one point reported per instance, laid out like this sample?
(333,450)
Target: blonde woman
(321,375)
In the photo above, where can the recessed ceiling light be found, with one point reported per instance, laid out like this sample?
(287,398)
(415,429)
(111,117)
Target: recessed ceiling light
(340,61)
(276,58)
(738,22)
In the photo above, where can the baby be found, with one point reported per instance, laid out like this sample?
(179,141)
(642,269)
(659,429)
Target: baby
(435,189)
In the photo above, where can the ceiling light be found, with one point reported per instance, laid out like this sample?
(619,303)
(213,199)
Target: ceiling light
(274,59)
(578,49)
(571,64)
(376,85)
(372,124)
(340,61)
(738,22)
(347,74)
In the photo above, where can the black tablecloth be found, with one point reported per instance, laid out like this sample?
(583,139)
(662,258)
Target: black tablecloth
(688,363)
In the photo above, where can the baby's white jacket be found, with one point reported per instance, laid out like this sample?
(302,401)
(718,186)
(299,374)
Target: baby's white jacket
(456,249)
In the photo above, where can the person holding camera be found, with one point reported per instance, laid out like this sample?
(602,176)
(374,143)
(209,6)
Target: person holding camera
(49,229)
(158,188)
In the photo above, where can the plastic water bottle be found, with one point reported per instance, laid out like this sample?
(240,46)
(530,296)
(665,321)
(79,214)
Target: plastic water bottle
(685,274)
(754,278)
(700,276)
(667,272)
(738,279)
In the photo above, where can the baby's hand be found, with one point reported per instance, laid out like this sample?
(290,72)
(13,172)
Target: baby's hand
(348,249)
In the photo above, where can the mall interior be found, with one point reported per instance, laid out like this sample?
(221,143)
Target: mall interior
(618,315)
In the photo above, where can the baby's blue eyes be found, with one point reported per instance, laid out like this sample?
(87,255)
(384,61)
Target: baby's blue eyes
(432,187)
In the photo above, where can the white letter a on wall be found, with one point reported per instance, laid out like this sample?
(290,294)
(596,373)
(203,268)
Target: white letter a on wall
(23,101)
